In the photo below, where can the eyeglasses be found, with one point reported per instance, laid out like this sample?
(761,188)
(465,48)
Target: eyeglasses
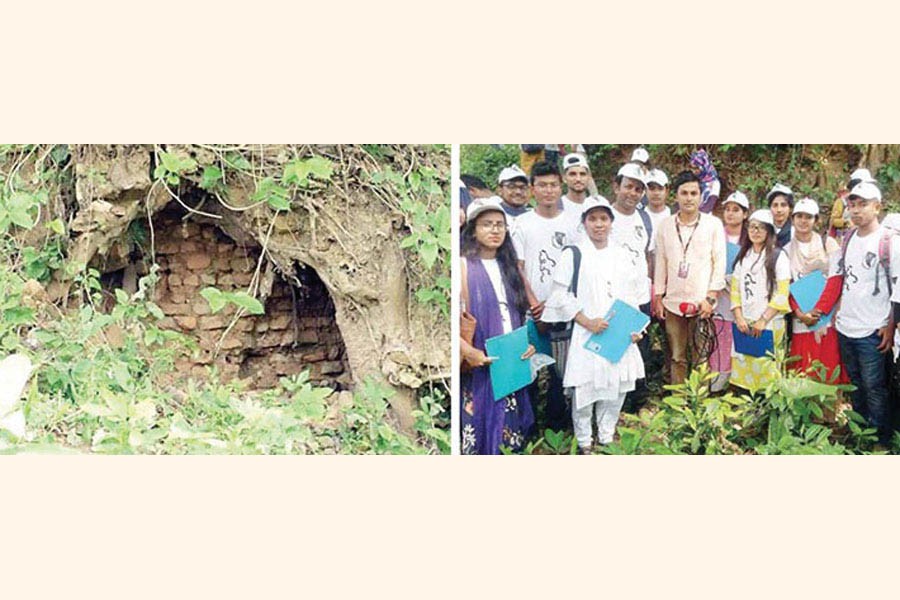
(518,187)
(492,226)
(755,227)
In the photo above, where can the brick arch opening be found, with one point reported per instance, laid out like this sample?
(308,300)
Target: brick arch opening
(297,332)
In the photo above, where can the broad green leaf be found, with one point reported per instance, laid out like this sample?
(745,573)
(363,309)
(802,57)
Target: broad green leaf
(57,227)
(215,298)
(320,167)
(429,253)
(246,301)
(278,202)
(212,175)
(154,310)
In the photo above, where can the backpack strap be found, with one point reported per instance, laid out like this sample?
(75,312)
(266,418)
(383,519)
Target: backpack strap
(576,266)
(884,261)
(648,225)
(844,243)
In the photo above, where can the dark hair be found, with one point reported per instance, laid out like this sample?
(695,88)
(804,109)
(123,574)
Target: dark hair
(473,183)
(789,197)
(506,260)
(771,251)
(685,177)
(544,168)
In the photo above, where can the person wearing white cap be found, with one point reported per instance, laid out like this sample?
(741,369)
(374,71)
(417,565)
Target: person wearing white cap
(781,201)
(632,230)
(513,189)
(657,192)
(809,252)
(735,210)
(578,182)
(870,261)
(493,303)
(759,299)
(840,209)
(689,273)
(539,237)
(640,155)
(604,275)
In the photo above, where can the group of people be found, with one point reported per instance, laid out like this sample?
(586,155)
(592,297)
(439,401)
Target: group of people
(712,283)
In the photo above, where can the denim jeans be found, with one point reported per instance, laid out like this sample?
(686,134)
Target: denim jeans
(867,369)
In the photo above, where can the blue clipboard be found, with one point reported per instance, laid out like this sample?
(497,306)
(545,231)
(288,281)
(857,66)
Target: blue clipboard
(612,343)
(731,252)
(509,373)
(753,346)
(806,292)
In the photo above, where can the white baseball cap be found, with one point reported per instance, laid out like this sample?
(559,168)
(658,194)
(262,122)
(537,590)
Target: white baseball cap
(862,175)
(866,190)
(738,198)
(481,205)
(598,201)
(658,177)
(763,215)
(632,171)
(640,155)
(574,160)
(779,189)
(806,206)
(512,172)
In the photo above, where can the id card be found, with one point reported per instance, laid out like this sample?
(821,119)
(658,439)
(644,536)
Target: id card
(683,268)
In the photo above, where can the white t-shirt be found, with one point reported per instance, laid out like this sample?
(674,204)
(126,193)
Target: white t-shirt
(572,207)
(538,242)
(493,272)
(628,232)
(751,276)
(862,311)
(657,217)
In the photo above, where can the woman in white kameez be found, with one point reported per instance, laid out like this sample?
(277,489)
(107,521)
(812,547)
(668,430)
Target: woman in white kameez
(605,275)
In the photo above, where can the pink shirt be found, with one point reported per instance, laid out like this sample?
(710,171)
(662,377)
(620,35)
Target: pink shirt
(687,269)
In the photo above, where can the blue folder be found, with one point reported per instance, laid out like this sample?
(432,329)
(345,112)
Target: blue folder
(731,252)
(612,343)
(753,346)
(806,292)
(509,373)
(540,342)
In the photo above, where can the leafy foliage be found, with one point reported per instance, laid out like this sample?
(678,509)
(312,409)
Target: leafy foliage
(103,378)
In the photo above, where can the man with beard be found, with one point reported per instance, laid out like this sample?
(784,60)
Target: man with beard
(578,182)
(632,230)
(513,189)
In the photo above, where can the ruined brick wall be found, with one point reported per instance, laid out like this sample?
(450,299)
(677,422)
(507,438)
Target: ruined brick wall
(297,332)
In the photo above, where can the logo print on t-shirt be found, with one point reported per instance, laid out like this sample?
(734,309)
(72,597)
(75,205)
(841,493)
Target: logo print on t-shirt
(749,281)
(634,253)
(545,265)
(869,260)
(559,239)
(849,278)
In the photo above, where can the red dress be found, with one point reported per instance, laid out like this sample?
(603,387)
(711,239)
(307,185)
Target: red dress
(804,344)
